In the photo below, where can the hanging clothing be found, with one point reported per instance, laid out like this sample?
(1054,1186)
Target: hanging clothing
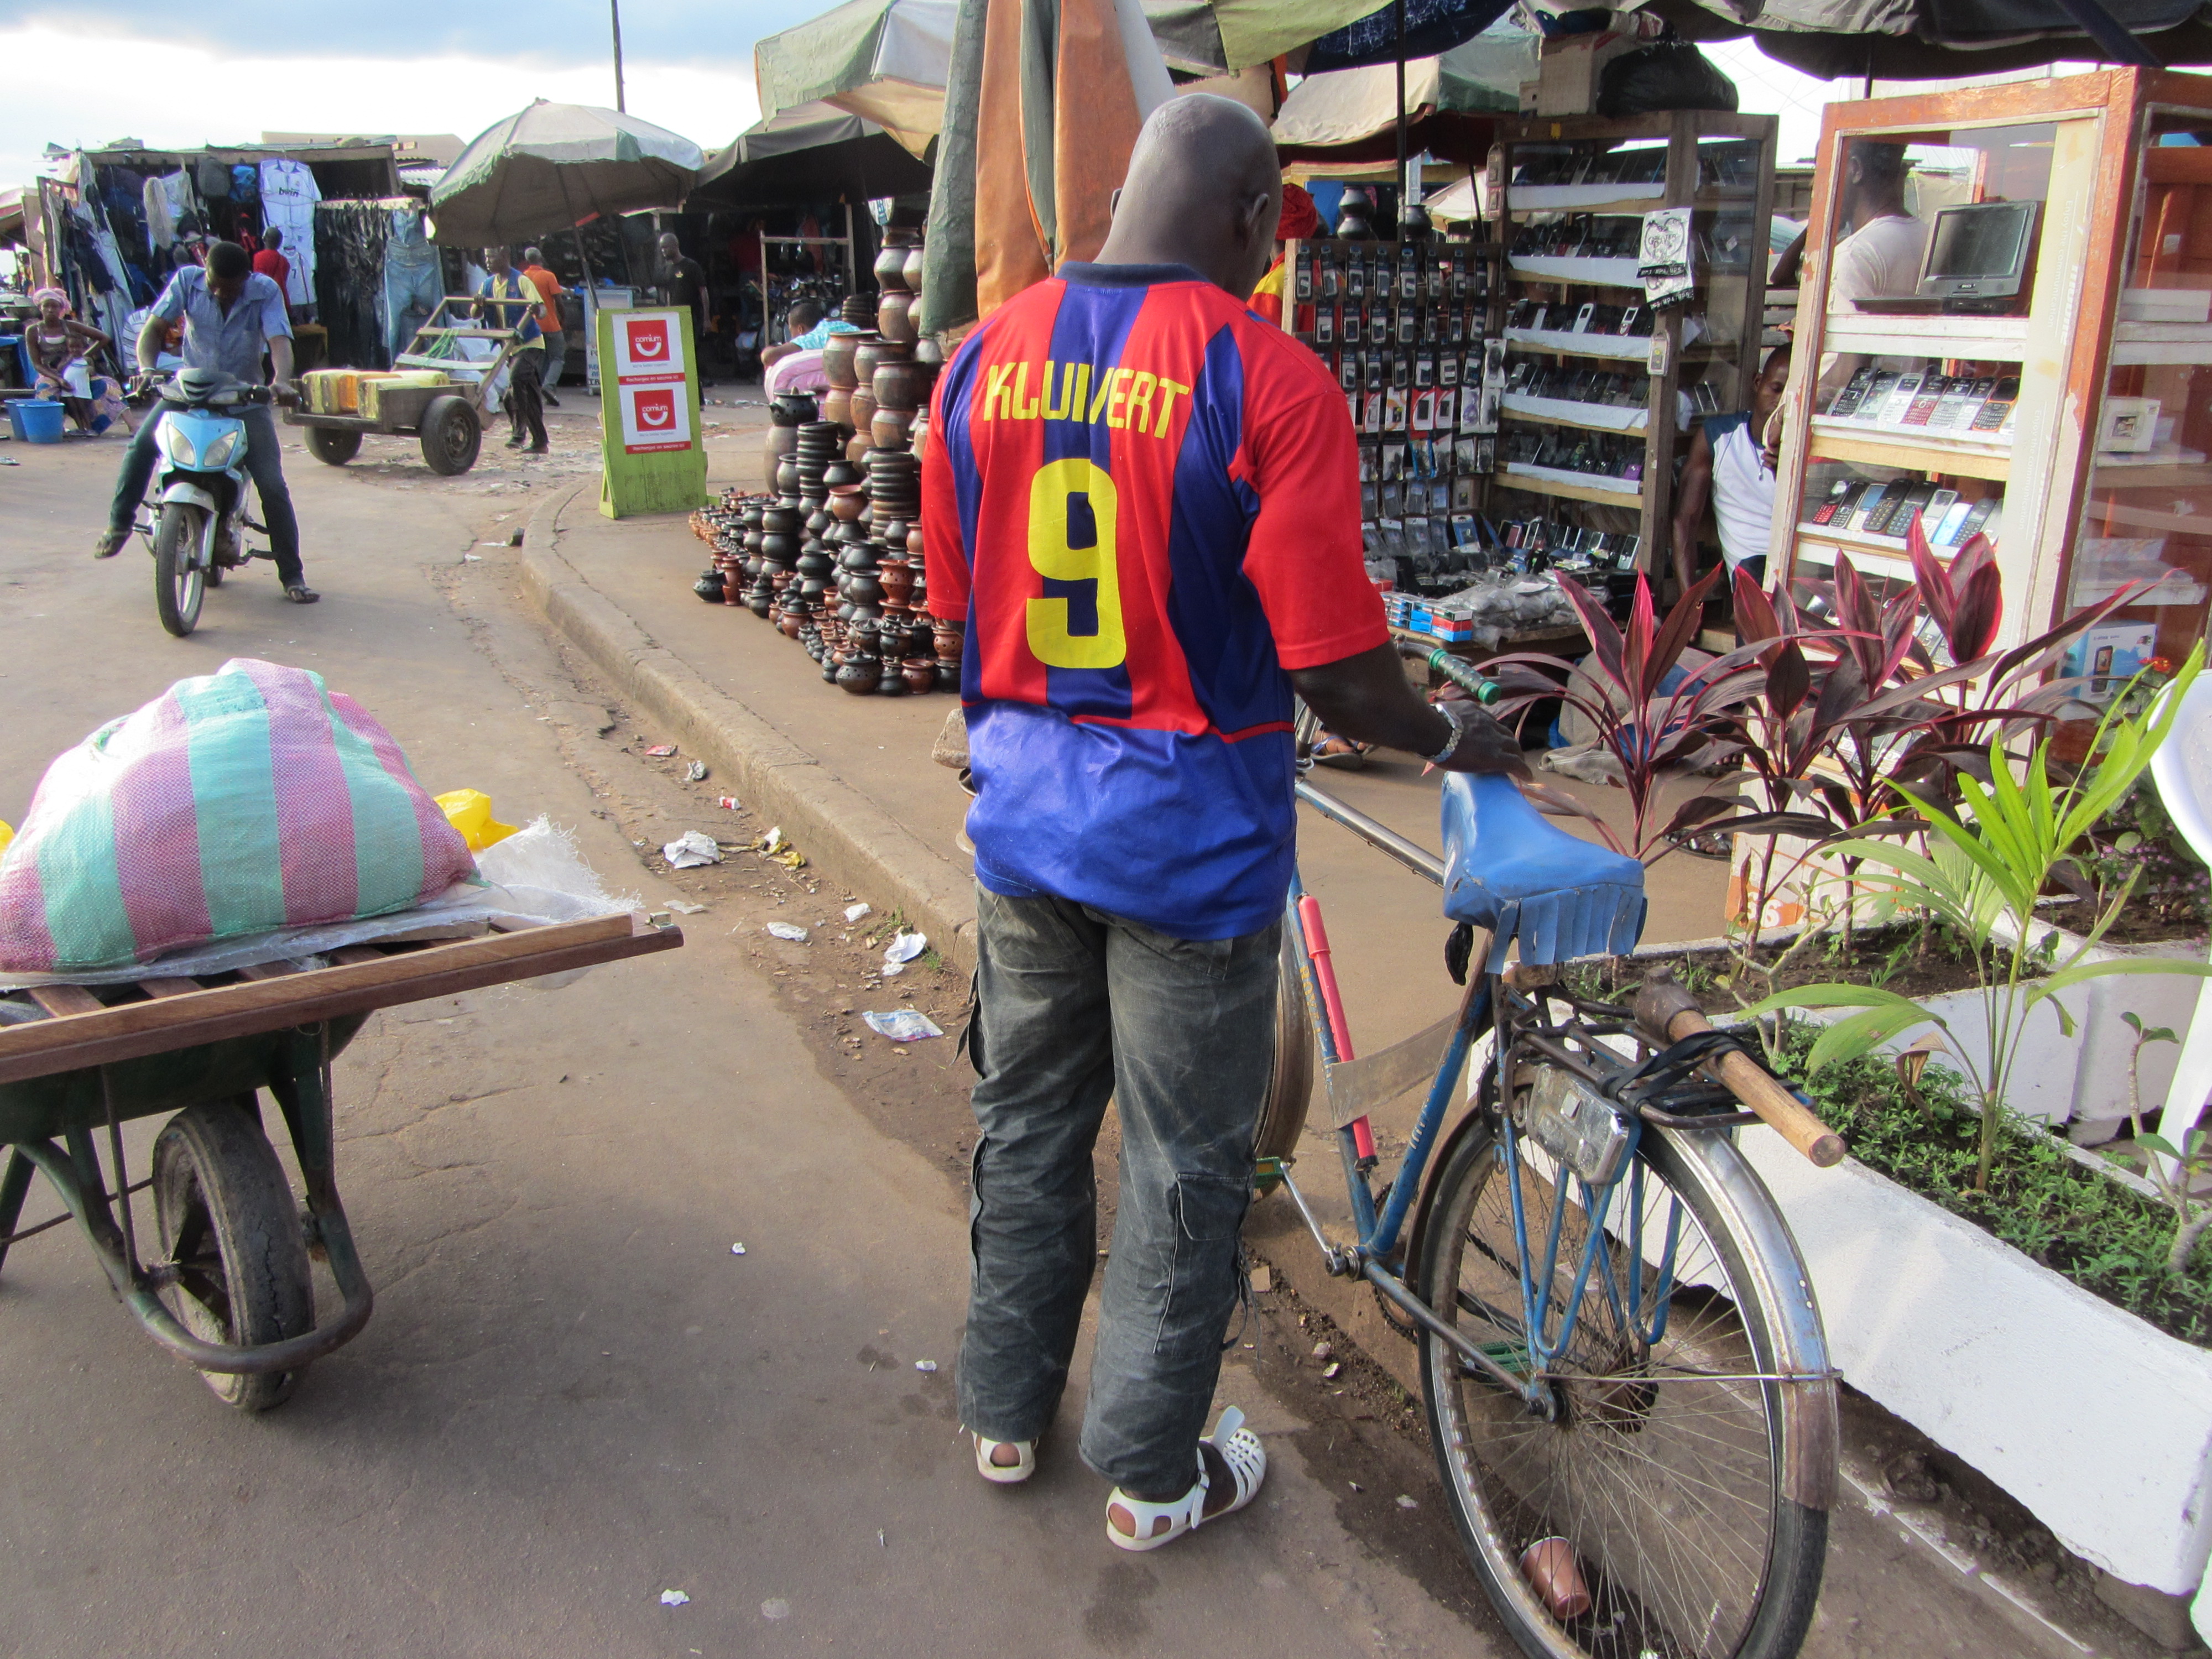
(288,194)
(161,223)
(414,280)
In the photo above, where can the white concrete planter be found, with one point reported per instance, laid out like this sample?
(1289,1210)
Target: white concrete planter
(2099,1422)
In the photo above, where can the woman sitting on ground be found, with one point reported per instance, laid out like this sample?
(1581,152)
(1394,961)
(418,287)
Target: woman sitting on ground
(60,346)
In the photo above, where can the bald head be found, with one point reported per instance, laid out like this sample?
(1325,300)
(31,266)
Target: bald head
(1204,189)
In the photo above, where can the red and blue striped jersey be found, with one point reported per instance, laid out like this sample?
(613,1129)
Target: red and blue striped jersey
(1144,502)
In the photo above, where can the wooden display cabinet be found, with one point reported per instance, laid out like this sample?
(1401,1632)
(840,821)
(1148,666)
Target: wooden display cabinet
(2098,474)
(1598,398)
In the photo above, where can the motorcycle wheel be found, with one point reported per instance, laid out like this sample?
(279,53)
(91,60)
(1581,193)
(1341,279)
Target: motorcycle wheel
(179,581)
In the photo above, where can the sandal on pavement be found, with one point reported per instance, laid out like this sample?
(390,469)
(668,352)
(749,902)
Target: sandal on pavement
(1005,1474)
(1340,752)
(300,594)
(110,544)
(1240,1449)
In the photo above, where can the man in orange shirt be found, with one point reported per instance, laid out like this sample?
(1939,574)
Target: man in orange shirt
(549,317)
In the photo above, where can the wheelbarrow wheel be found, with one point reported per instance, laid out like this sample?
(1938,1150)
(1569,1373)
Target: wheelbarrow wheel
(333,445)
(451,435)
(228,1220)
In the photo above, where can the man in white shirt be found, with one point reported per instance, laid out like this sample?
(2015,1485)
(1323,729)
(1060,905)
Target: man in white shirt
(1879,259)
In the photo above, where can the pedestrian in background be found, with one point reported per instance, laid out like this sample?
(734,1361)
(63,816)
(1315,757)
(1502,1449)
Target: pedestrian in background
(683,282)
(526,400)
(270,263)
(549,319)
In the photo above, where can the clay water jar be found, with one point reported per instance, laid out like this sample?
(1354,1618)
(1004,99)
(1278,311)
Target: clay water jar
(847,503)
(864,418)
(868,352)
(837,362)
(890,270)
(837,405)
(915,263)
(895,317)
(890,427)
(921,674)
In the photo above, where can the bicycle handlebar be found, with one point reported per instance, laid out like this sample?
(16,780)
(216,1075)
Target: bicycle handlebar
(1459,673)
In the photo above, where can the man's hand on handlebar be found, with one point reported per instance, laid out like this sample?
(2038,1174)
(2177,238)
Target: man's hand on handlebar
(285,392)
(1367,699)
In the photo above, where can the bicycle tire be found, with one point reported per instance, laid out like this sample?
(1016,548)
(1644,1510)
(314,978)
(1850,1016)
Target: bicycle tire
(1490,1450)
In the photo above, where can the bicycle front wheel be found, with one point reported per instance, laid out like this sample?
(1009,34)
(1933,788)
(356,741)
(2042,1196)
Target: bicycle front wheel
(1655,1513)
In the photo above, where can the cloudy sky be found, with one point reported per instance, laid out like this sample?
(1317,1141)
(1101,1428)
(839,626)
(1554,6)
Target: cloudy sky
(92,70)
(89,71)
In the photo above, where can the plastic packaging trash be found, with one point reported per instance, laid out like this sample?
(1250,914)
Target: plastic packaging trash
(784,930)
(674,1599)
(682,909)
(727,803)
(926,1365)
(7,833)
(906,947)
(903,1025)
(468,811)
(853,912)
(696,773)
(775,1609)
(773,847)
(691,849)
(737,1249)
(661,750)
(1406,1503)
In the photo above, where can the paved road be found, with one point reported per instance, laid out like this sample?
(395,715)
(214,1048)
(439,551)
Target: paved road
(572,1396)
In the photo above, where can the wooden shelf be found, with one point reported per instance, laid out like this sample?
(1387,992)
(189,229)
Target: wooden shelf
(1570,486)
(1583,418)
(1889,446)
(1618,200)
(1575,270)
(2161,343)
(2004,339)
(1614,347)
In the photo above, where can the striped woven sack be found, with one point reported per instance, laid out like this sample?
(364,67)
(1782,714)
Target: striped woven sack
(245,801)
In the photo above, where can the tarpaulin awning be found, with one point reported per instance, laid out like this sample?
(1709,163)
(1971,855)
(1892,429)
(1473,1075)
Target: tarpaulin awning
(11,213)
(1484,76)
(1947,40)
(813,153)
(553,165)
(884,60)
(1209,36)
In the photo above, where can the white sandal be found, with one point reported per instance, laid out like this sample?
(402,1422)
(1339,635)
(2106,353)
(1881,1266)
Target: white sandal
(1005,1474)
(1247,1466)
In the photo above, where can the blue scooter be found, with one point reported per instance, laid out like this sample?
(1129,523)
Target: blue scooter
(199,492)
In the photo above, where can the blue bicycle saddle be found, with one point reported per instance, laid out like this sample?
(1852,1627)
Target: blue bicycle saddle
(1509,871)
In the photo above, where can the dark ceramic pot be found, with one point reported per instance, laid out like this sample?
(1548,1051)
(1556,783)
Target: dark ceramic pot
(837,405)
(897,578)
(848,504)
(861,676)
(791,409)
(837,360)
(709,586)
(929,352)
(779,520)
(921,674)
(890,272)
(859,309)
(917,435)
(787,478)
(895,318)
(864,417)
(890,427)
(778,549)
(868,350)
(899,386)
(916,263)
(840,474)
(893,683)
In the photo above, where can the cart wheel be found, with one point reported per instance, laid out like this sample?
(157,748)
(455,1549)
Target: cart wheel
(450,436)
(332,446)
(1289,1089)
(226,1218)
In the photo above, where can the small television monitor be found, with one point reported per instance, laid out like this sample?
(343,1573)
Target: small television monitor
(1981,250)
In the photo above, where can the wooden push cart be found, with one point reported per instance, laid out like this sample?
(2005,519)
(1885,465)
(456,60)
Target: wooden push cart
(227,1285)
(448,420)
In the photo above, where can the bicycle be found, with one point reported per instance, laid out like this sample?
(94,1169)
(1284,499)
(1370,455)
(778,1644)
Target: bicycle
(1627,1383)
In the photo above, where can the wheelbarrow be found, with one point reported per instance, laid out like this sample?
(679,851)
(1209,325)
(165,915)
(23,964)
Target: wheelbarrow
(227,1285)
(447,420)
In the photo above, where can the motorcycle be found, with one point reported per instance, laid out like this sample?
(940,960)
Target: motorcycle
(199,492)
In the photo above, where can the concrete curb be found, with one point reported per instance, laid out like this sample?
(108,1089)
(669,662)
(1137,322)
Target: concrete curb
(850,840)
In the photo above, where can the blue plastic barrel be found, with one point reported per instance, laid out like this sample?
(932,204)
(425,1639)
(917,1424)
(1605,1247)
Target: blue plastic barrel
(38,420)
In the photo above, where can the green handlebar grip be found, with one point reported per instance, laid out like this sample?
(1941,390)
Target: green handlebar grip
(1483,690)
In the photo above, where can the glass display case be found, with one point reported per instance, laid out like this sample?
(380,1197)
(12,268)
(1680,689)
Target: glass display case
(2012,349)
(1601,386)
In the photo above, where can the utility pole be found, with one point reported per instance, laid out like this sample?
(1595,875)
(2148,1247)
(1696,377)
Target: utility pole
(614,7)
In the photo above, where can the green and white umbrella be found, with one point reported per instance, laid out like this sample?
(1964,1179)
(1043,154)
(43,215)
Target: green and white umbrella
(553,165)
(883,60)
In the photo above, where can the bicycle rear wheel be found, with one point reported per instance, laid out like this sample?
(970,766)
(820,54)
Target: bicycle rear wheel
(1654,1518)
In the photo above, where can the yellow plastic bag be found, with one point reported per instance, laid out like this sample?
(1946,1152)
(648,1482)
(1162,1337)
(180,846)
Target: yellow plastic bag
(7,835)
(468,811)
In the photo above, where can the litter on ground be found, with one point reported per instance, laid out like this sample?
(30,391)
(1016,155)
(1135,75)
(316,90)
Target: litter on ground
(696,773)
(925,1365)
(903,1025)
(674,1599)
(854,912)
(691,849)
(785,930)
(906,947)
(737,1249)
(683,908)
(661,750)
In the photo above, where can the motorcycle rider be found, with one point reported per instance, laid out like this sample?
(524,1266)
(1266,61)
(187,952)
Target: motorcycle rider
(230,312)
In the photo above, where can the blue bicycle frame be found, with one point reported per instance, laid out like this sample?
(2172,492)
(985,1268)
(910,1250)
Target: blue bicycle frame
(1375,1078)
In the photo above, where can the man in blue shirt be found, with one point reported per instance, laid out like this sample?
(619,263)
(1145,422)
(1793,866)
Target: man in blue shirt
(230,312)
(809,331)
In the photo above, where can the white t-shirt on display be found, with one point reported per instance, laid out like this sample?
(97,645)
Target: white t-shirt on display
(1879,260)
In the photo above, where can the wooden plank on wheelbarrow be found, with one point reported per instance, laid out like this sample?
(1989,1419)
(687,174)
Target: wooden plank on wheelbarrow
(138,1029)
(171,986)
(61,1000)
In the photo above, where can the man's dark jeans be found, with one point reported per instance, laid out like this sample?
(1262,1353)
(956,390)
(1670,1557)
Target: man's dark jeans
(264,461)
(1076,1006)
(525,398)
